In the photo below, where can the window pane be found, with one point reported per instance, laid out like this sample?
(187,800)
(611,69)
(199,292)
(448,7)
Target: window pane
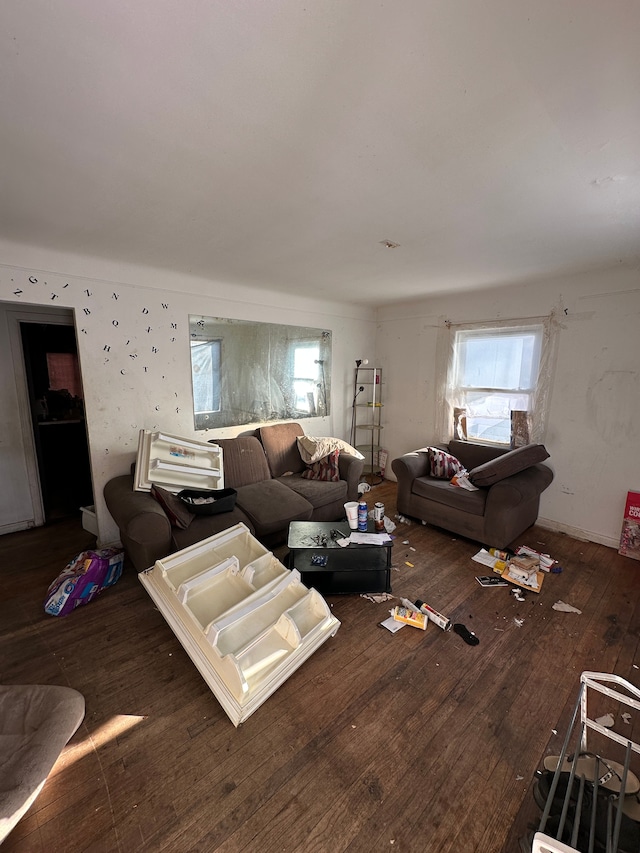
(497,360)
(489,415)
(305,375)
(205,370)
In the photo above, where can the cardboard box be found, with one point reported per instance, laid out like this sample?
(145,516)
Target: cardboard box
(630,534)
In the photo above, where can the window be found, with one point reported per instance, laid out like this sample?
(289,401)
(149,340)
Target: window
(494,372)
(64,373)
(305,377)
(205,372)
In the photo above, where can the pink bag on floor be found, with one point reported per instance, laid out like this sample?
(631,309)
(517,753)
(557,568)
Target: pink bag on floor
(82,579)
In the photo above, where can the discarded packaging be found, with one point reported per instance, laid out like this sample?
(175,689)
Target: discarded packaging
(391,625)
(546,561)
(433,615)
(565,608)
(410,617)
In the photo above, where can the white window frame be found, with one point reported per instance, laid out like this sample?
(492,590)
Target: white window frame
(534,399)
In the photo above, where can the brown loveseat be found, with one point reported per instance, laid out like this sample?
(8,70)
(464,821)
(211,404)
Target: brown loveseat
(504,506)
(266,470)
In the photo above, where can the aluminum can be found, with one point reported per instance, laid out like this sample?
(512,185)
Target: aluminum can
(378,517)
(362,515)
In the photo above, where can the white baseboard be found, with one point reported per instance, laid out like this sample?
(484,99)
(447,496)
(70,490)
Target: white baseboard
(15,528)
(578,533)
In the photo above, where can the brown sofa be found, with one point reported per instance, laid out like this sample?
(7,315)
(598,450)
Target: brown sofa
(266,470)
(505,504)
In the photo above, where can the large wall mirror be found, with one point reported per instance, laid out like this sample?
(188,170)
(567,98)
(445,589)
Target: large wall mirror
(245,372)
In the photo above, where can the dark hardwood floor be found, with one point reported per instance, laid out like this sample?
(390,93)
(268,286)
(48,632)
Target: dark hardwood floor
(379,742)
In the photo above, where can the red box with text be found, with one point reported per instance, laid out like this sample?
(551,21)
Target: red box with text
(630,535)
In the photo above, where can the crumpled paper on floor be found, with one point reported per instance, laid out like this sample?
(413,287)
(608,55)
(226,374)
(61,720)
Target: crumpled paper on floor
(565,608)
(377,597)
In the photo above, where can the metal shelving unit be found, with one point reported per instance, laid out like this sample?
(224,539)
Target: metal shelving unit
(591,816)
(366,422)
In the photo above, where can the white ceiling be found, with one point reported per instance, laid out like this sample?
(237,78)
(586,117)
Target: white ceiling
(276,143)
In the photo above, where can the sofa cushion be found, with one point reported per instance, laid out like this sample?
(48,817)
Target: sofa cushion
(325,469)
(508,464)
(281,448)
(443,465)
(312,449)
(270,506)
(174,509)
(243,461)
(319,493)
(443,492)
(204,526)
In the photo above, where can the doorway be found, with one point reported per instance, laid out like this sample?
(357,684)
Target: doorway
(56,404)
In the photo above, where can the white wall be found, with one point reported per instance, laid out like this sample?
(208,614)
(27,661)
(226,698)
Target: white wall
(133,346)
(594,414)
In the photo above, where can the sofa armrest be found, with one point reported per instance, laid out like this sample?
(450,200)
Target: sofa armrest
(350,470)
(145,530)
(518,488)
(411,465)
(407,468)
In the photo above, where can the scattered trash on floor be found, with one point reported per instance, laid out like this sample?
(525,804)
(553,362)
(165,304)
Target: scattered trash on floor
(626,718)
(546,561)
(518,594)
(518,622)
(405,542)
(563,607)
(83,579)
(520,568)
(377,597)
(363,487)
(391,625)
(606,720)
(410,616)
(432,615)
(402,519)
(491,580)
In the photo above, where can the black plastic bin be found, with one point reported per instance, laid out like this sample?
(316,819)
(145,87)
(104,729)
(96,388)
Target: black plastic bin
(223,500)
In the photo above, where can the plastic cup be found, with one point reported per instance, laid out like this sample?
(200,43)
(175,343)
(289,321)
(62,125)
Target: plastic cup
(351,509)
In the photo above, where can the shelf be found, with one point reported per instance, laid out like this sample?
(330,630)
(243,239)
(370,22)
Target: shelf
(175,463)
(245,620)
(368,397)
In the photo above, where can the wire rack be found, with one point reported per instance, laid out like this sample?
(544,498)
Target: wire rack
(593,814)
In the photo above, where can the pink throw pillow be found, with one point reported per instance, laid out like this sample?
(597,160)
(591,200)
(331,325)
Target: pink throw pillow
(324,469)
(442,465)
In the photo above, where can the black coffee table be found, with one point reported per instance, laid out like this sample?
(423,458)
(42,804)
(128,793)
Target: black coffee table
(354,569)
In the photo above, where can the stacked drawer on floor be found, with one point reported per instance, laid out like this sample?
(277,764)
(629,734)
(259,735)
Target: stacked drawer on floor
(245,620)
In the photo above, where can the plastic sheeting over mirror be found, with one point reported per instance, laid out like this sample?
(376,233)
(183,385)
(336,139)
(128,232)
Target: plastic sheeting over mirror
(245,372)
